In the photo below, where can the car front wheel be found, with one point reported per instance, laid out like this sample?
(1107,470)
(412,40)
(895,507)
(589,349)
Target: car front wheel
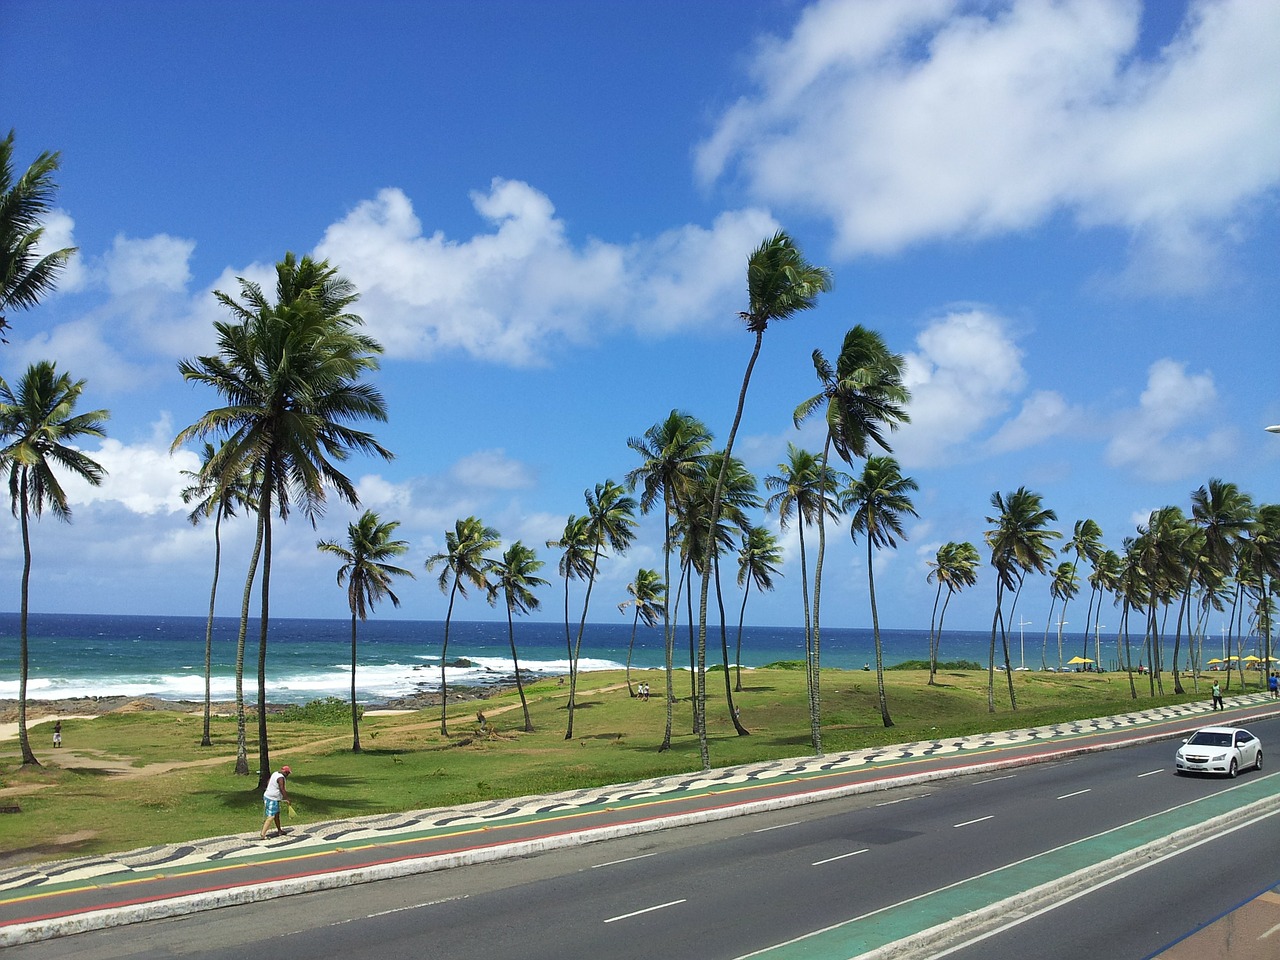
(1258,764)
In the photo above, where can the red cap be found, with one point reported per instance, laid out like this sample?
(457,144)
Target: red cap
(286,771)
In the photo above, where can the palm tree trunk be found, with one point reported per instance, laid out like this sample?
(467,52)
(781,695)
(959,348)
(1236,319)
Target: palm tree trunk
(933,637)
(631,645)
(242,744)
(577,648)
(24,742)
(724,650)
(815,645)
(515,662)
(444,655)
(264,750)
(206,740)
(742,615)
(991,659)
(668,628)
(711,526)
(355,711)
(875,633)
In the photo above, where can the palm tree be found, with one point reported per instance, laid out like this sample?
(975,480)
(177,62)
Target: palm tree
(704,545)
(516,575)
(955,566)
(367,574)
(780,284)
(804,486)
(878,500)
(290,372)
(610,525)
(464,563)
(26,275)
(759,561)
(673,451)
(648,596)
(38,425)
(219,497)
(1063,585)
(1223,512)
(1085,543)
(861,396)
(1019,543)
(575,564)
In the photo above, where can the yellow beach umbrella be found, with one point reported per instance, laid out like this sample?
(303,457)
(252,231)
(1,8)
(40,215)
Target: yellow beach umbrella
(1079,660)
(1215,660)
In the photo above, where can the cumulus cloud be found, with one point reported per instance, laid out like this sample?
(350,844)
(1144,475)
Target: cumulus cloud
(903,123)
(965,372)
(515,293)
(1169,435)
(145,478)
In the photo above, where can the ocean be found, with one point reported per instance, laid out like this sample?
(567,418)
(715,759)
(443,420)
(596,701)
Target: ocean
(78,655)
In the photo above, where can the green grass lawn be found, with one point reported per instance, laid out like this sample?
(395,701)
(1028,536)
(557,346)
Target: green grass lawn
(127,780)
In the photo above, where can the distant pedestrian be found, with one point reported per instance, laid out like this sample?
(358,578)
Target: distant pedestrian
(1217,697)
(1273,684)
(275,794)
(57,733)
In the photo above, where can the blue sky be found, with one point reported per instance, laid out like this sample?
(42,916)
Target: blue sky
(1062,213)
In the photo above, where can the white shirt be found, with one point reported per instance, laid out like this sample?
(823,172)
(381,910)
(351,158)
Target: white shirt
(274,785)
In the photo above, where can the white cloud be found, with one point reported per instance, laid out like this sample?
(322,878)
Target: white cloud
(491,470)
(903,123)
(145,478)
(59,234)
(512,295)
(153,263)
(965,372)
(1169,436)
(1044,414)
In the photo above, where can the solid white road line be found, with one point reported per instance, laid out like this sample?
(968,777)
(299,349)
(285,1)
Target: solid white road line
(661,906)
(843,856)
(778,826)
(971,822)
(623,860)
(1078,793)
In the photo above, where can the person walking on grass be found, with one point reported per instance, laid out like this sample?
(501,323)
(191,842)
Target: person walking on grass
(272,797)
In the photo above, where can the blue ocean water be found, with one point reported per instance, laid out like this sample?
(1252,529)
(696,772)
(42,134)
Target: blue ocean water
(75,655)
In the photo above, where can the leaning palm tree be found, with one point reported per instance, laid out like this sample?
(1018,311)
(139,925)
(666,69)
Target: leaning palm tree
(221,498)
(877,501)
(463,562)
(759,561)
(38,424)
(1085,543)
(27,273)
(290,372)
(610,525)
(673,453)
(1019,543)
(648,599)
(367,574)
(516,575)
(955,566)
(863,398)
(1063,585)
(780,284)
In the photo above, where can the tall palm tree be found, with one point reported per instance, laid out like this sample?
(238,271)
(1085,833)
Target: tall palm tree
(780,284)
(516,575)
(575,564)
(648,596)
(220,497)
(759,561)
(290,372)
(673,452)
(367,575)
(862,398)
(878,500)
(38,425)
(1105,579)
(1223,512)
(803,487)
(954,566)
(1019,544)
(463,563)
(610,525)
(26,274)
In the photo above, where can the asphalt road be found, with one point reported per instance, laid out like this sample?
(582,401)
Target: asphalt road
(726,889)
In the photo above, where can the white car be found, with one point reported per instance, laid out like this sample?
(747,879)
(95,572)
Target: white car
(1225,750)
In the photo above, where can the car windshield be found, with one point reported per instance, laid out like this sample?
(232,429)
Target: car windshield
(1207,738)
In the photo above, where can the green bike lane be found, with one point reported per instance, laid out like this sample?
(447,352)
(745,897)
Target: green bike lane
(43,901)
